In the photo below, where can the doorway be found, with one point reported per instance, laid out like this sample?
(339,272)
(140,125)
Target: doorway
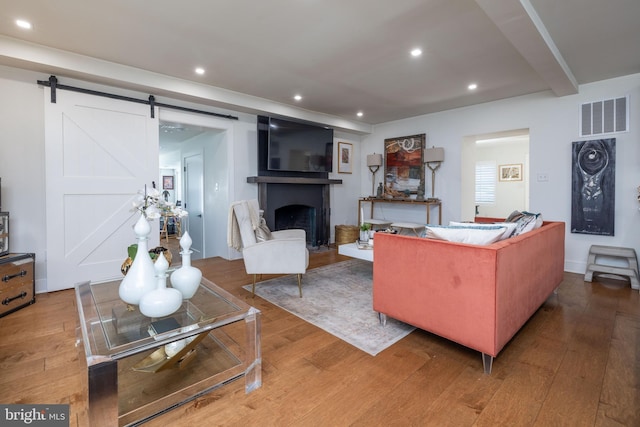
(495,174)
(196,148)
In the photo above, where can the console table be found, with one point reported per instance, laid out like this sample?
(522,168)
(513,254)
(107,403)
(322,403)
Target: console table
(165,226)
(428,205)
(133,376)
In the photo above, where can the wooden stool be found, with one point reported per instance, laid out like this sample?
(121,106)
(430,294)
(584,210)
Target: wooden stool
(629,254)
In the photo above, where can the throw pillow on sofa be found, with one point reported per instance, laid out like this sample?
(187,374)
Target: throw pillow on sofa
(514,216)
(510,226)
(465,234)
(527,222)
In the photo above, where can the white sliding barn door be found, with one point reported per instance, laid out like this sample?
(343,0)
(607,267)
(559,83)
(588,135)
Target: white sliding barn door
(99,152)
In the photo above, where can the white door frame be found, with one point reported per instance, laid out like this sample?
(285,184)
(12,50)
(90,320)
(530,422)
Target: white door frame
(217,200)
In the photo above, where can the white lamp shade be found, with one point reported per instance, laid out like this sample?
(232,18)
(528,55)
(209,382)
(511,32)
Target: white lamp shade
(374,159)
(434,154)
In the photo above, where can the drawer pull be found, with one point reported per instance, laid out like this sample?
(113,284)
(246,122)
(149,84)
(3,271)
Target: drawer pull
(7,301)
(6,278)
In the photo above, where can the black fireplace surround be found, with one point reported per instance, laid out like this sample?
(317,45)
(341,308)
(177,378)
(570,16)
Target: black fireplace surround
(293,199)
(297,202)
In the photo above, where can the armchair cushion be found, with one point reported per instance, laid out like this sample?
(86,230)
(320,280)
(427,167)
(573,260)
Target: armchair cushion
(294,233)
(277,256)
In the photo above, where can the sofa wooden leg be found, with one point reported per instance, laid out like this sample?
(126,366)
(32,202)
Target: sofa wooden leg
(300,284)
(487,363)
(383,319)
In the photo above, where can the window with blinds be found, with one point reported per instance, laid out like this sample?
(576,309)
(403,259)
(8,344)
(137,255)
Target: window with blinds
(486,182)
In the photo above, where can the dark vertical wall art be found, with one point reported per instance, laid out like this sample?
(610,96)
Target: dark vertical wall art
(593,187)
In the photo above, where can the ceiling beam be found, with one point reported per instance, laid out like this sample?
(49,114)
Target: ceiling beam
(522,26)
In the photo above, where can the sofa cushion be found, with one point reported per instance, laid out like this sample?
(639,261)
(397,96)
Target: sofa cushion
(510,226)
(466,234)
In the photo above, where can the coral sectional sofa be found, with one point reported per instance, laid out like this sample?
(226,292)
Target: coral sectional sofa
(478,296)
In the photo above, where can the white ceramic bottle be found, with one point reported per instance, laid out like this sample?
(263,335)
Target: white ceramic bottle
(162,301)
(140,278)
(186,279)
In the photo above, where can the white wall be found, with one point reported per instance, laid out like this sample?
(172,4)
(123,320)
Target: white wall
(552,121)
(344,197)
(22,163)
(553,126)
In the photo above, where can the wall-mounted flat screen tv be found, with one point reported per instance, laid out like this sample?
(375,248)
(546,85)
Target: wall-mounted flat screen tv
(299,147)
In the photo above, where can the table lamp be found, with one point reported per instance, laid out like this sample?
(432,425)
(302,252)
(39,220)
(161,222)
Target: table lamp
(433,157)
(374,161)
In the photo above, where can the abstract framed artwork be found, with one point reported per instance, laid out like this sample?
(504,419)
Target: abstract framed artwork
(593,186)
(510,172)
(167,182)
(403,165)
(345,157)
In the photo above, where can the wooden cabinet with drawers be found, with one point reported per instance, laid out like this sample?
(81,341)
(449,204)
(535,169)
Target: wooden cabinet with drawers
(17,282)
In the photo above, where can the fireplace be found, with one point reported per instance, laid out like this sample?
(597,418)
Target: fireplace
(289,205)
(293,198)
(297,202)
(298,216)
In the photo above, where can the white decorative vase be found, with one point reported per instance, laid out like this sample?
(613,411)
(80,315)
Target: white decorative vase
(186,279)
(140,278)
(161,301)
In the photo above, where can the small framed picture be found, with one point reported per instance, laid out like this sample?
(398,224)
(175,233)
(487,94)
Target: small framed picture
(345,157)
(510,172)
(167,182)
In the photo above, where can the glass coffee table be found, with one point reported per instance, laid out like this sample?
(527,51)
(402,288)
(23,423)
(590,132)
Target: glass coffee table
(137,370)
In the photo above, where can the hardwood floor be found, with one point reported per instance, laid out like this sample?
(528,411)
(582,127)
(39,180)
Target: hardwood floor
(575,363)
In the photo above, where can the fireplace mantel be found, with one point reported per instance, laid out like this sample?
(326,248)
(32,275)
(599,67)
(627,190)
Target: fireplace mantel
(291,180)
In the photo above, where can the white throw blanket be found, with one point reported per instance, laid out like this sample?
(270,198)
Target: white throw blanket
(234,237)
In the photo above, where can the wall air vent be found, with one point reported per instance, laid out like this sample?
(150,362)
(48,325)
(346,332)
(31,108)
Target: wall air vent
(604,117)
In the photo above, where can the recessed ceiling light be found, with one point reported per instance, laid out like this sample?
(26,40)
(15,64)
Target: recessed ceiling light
(297,97)
(473,86)
(199,70)
(416,52)
(23,24)
(360,114)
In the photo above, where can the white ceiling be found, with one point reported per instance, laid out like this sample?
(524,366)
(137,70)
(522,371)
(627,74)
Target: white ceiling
(342,56)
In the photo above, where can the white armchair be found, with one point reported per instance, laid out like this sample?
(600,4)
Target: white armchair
(281,252)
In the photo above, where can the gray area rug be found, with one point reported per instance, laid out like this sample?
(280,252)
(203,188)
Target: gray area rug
(337,298)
